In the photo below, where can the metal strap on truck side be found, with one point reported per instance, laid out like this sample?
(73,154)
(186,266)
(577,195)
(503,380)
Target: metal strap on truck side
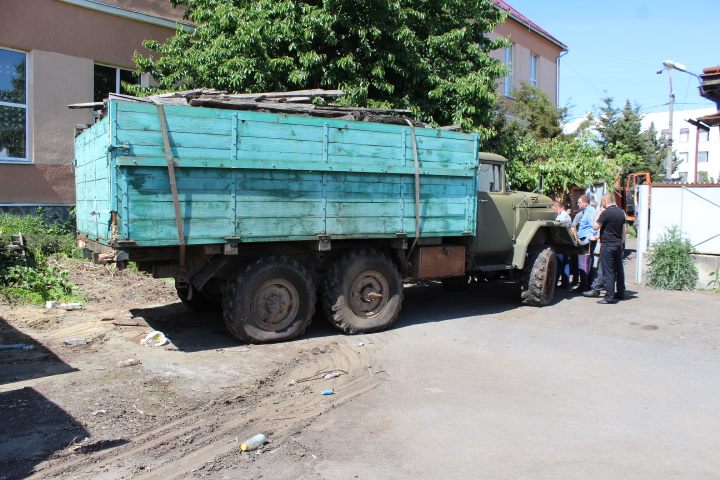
(173,184)
(417,187)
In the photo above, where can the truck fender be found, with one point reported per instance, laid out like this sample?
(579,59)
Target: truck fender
(541,232)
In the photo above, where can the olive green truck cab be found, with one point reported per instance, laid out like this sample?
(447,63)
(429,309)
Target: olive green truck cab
(265,215)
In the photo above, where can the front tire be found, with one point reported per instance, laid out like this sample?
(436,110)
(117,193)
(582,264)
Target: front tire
(362,292)
(271,300)
(537,285)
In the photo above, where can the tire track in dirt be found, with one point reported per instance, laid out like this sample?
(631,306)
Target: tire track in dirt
(210,437)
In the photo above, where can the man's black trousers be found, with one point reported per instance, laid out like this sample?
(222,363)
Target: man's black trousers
(612,269)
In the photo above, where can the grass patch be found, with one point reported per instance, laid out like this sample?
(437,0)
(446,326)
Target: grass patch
(41,279)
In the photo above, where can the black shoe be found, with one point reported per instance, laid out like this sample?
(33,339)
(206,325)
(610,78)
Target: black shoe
(620,296)
(606,301)
(591,293)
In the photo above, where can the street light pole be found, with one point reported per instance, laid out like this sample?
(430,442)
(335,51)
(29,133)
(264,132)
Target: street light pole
(669,65)
(669,159)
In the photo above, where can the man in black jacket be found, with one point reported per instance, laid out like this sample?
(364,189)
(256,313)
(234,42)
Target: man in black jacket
(612,226)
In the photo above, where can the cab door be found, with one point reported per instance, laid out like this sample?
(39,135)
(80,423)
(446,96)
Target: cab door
(493,242)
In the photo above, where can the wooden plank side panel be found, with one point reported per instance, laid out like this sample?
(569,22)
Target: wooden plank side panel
(204,198)
(285,141)
(300,177)
(92,181)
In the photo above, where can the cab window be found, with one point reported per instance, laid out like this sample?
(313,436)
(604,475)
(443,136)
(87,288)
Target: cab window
(490,177)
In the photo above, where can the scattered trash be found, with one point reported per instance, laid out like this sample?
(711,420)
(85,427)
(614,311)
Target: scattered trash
(17,346)
(138,410)
(154,339)
(75,342)
(254,442)
(171,346)
(329,391)
(129,362)
(134,322)
(359,344)
(50,304)
(320,375)
(99,412)
(70,306)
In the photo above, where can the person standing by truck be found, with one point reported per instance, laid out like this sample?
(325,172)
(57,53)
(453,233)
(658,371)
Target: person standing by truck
(563,259)
(612,226)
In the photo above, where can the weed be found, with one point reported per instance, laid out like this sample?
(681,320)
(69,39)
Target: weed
(715,282)
(670,266)
(37,281)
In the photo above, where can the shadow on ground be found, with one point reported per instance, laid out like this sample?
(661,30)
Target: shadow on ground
(34,428)
(192,331)
(23,358)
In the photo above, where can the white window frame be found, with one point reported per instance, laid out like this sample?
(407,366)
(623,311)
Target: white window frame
(704,135)
(508,60)
(26,158)
(684,135)
(682,157)
(700,156)
(534,62)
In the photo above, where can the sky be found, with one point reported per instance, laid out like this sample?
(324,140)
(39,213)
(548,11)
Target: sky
(616,47)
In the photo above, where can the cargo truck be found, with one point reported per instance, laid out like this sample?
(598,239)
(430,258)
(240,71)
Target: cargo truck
(266,215)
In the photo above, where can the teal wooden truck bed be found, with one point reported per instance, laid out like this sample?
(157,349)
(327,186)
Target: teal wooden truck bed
(262,177)
(269,207)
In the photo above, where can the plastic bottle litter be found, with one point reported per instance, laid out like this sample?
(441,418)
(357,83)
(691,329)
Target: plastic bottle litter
(328,392)
(154,339)
(254,442)
(330,375)
(129,362)
(75,342)
(359,344)
(50,304)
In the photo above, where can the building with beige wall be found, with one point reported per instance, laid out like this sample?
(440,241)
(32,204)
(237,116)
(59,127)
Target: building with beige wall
(57,52)
(54,53)
(533,56)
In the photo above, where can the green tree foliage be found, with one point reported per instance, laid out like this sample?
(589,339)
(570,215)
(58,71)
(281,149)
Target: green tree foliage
(430,56)
(563,162)
(529,134)
(670,266)
(622,140)
(533,108)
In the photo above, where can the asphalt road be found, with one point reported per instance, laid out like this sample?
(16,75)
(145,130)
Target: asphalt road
(477,387)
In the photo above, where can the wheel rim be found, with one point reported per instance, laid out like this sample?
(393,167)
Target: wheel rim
(369,294)
(275,304)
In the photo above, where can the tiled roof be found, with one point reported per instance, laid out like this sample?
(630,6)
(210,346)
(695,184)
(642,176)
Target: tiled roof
(519,17)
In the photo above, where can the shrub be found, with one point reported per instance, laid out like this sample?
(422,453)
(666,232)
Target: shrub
(37,281)
(670,266)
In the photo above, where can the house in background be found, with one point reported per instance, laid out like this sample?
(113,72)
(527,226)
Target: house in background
(80,50)
(533,56)
(76,51)
(697,150)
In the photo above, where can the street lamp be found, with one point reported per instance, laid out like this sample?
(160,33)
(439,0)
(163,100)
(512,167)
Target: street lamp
(670,65)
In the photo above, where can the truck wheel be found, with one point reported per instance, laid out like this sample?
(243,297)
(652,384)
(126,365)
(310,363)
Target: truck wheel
(537,286)
(272,299)
(199,301)
(362,292)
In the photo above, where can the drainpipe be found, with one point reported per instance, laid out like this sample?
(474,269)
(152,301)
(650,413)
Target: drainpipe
(557,83)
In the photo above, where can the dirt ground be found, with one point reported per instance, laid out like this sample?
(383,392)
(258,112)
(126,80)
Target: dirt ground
(71,411)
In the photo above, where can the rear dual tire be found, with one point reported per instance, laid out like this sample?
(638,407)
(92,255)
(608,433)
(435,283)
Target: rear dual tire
(363,292)
(271,300)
